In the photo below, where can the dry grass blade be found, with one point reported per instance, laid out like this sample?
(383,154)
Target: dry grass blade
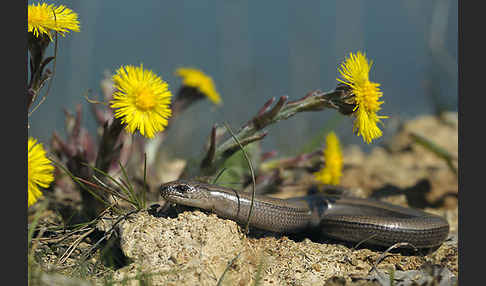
(81,184)
(123,185)
(93,101)
(61,238)
(436,149)
(252,176)
(73,246)
(145,190)
(384,254)
(363,241)
(108,233)
(220,280)
(130,187)
(139,276)
(220,173)
(103,188)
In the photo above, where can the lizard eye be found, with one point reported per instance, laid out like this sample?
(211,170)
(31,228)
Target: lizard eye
(184,189)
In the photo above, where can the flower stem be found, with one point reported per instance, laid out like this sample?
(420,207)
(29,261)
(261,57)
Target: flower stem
(253,130)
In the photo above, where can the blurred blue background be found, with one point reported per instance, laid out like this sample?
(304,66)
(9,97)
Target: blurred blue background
(255,50)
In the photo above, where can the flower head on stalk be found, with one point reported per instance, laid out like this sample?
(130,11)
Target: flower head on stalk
(141,100)
(355,74)
(40,172)
(195,78)
(333,159)
(43,19)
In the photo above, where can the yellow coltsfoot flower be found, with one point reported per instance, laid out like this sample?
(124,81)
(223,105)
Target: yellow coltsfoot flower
(355,73)
(333,160)
(44,19)
(40,172)
(141,100)
(195,78)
